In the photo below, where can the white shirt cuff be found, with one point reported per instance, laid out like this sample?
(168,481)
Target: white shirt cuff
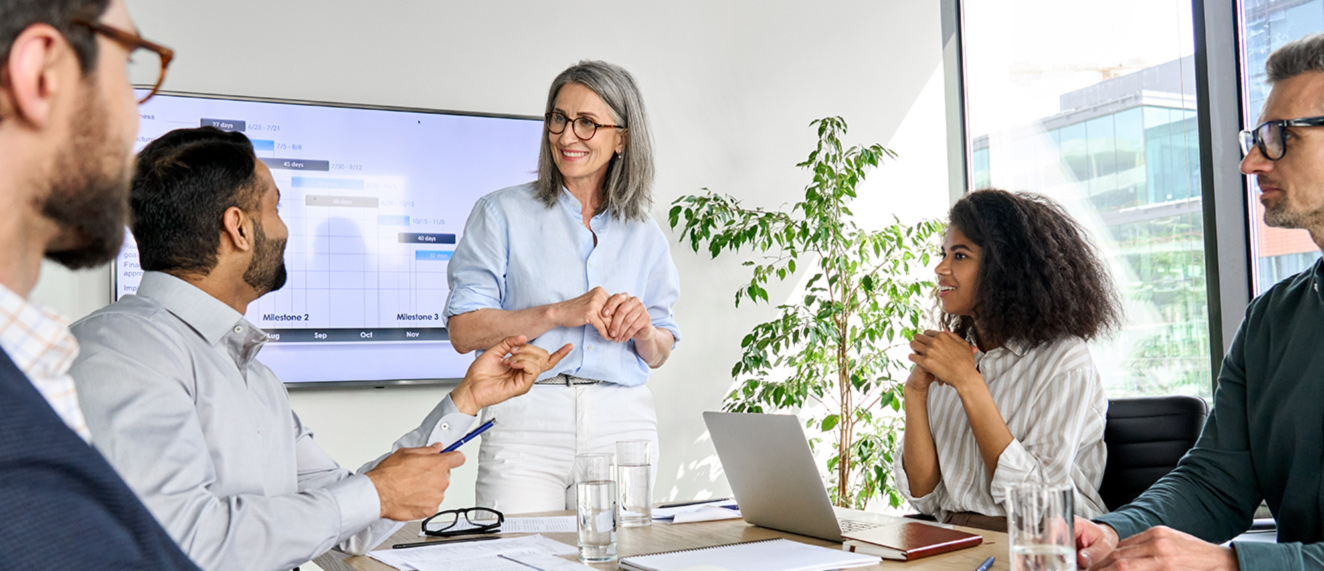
(1015,466)
(449,425)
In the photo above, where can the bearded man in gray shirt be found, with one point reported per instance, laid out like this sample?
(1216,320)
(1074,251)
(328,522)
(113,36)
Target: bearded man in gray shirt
(200,429)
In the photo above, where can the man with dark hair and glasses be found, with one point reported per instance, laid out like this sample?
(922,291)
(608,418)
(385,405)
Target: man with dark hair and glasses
(67,123)
(203,431)
(1263,440)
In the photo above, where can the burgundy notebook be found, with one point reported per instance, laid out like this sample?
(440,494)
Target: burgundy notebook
(908,541)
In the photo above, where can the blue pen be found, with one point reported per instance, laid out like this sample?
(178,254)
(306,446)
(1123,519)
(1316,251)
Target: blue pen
(470,436)
(986,565)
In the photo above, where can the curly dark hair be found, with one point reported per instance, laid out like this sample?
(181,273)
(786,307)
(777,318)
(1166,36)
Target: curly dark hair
(1040,278)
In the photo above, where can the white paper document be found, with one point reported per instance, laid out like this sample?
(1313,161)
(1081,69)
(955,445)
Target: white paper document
(552,524)
(712,511)
(512,554)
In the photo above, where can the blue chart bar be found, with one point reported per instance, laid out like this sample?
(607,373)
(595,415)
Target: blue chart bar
(393,220)
(333,183)
(260,145)
(433,255)
(415,238)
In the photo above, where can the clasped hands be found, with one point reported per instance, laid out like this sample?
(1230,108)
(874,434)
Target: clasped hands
(618,318)
(943,357)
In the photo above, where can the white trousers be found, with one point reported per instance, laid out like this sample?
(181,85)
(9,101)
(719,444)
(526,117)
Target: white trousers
(526,462)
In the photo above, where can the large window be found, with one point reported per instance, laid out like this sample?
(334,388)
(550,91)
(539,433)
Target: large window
(1265,26)
(1093,104)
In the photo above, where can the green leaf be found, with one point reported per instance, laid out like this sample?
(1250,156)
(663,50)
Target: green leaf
(885,400)
(829,422)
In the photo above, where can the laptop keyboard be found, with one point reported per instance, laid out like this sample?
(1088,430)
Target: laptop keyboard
(849,525)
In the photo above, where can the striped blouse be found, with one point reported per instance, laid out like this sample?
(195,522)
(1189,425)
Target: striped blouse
(1052,400)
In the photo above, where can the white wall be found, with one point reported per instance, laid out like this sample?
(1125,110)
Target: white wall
(731,87)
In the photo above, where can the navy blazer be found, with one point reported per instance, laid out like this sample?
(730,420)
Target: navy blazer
(62,506)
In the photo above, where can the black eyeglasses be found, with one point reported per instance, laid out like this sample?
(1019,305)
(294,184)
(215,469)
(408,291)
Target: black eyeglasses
(584,127)
(475,520)
(134,43)
(1270,136)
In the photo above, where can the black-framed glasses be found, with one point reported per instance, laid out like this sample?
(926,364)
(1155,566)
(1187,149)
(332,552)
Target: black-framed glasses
(1269,137)
(584,127)
(463,522)
(154,60)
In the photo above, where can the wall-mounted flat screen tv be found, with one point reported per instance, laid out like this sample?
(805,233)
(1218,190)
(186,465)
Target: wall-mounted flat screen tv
(375,199)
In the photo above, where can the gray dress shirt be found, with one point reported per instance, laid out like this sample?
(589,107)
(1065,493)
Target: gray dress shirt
(203,432)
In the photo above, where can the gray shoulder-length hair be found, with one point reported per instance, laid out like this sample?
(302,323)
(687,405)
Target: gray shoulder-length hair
(1295,58)
(628,187)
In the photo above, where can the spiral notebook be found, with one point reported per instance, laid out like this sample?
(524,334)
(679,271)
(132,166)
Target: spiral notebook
(765,555)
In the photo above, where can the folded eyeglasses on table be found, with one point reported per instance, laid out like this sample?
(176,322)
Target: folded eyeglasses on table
(465,521)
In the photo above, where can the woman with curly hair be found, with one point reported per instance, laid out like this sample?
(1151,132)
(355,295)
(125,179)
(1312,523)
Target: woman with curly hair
(1007,392)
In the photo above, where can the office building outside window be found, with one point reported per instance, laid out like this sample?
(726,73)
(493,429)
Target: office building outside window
(1104,123)
(1265,26)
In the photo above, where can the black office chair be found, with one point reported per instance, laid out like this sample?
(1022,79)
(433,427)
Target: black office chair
(1145,438)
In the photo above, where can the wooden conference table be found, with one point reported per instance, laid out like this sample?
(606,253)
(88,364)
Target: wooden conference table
(667,537)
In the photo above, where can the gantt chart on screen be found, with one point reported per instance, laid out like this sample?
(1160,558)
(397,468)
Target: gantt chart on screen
(375,202)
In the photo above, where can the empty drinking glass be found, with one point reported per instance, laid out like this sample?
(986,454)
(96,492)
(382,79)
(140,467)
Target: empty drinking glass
(595,488)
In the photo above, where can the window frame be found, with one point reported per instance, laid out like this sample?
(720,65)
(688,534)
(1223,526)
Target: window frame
(1223,192)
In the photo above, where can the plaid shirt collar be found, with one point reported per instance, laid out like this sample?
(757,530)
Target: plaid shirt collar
(36,338)
(40,344)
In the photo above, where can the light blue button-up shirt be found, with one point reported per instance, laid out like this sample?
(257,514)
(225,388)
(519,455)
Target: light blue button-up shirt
(517,253)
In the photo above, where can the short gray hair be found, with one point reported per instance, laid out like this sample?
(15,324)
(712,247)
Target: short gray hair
(1296,57)
(628,187)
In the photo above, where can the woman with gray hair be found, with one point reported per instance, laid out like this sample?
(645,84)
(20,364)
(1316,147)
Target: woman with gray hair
(574,258)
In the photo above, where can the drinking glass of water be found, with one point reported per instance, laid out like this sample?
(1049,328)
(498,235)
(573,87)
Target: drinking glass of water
(634,471)
(1039,523)
(595,488)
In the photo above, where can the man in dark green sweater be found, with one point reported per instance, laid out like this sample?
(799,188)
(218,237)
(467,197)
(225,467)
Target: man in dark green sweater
(1265,437)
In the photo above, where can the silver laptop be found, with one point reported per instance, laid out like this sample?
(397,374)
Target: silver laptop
(774,478)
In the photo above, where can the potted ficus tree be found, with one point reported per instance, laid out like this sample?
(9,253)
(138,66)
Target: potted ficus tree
(830,351)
